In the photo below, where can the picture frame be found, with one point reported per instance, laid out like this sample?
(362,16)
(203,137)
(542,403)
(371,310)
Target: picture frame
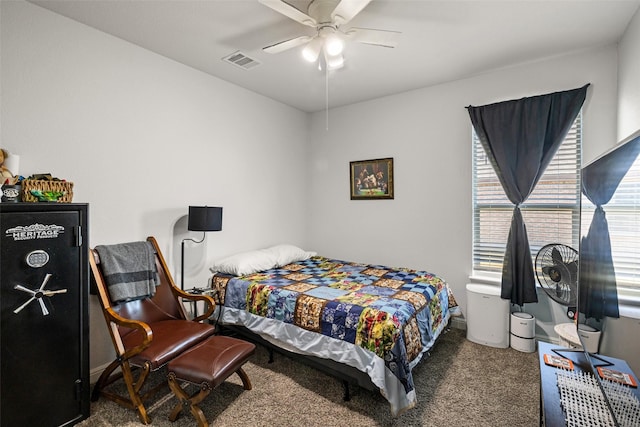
(371,179)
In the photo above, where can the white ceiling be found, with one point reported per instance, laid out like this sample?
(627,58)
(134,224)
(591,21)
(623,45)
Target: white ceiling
(441,40)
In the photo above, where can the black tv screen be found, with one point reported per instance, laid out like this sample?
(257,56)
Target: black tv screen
(609,255)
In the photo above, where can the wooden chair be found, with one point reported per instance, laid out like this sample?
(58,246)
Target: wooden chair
(146,334)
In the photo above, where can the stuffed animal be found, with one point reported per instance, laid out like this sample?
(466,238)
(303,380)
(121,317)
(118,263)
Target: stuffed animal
(4,172)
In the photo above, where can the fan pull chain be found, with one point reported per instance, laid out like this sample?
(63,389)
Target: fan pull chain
(326,95)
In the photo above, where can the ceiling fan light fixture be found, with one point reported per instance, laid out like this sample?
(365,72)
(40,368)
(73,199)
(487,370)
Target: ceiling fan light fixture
(312,50)
(334,62)
(333,45)
(327,17)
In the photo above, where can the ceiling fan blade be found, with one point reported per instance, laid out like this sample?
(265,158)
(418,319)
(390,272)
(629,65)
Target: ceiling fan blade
(382,38)
(346,10)
(287,44)
(289,11)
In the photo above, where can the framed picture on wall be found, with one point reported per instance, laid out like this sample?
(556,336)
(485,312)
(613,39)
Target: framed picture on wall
(371,179)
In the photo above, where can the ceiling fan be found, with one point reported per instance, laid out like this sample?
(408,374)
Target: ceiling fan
(327,17)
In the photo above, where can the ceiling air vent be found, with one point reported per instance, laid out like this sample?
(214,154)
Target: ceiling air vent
(241,60)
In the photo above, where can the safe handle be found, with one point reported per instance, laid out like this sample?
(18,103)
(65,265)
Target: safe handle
(38,295)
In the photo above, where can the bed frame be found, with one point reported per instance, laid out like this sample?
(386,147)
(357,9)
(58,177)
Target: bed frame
(346,374)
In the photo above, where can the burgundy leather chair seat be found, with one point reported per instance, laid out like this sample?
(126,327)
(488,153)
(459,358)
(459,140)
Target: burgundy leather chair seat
(170,338)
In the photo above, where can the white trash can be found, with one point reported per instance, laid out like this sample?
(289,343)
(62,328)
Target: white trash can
(590,337)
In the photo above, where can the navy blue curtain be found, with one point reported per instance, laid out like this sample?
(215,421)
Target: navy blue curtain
(598,292)
(520,137)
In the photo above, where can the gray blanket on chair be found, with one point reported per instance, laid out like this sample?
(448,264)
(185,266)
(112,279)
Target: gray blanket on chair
(129,270)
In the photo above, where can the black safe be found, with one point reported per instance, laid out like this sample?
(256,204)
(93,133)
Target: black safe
(44,330)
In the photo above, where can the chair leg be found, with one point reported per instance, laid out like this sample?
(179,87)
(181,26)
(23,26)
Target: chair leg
(135,400)
(191,402)
(134,390)
(103,380)
(246,382)
(199,416)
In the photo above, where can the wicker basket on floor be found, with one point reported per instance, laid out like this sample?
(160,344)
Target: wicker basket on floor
(44,185)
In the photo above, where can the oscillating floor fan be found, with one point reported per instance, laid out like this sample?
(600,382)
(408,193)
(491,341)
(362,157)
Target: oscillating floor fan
(557,272)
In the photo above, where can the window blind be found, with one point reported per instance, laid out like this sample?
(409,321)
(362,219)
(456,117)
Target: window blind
(551,213)
(623,218)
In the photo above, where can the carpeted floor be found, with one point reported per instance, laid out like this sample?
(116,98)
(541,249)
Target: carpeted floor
(460,384)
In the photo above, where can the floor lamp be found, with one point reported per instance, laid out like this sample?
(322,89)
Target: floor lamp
(201,218)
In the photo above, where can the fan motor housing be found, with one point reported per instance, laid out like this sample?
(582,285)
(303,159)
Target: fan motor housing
(321,10)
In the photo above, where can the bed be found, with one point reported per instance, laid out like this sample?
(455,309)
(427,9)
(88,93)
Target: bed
(377,320)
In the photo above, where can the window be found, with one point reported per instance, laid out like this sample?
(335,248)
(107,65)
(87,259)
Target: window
(551,213)
(623,218)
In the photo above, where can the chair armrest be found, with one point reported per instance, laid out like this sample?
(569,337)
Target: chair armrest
(209,301)
(147,333)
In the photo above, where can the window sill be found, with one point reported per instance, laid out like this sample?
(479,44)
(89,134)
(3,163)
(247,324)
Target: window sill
(486,278)
(629,311)
(629,305)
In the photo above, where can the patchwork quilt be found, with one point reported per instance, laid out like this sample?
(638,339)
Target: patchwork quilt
(389,316)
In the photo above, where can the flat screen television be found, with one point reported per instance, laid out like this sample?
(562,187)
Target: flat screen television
(609,253)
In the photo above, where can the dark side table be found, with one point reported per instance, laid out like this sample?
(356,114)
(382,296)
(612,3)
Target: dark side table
(551,413)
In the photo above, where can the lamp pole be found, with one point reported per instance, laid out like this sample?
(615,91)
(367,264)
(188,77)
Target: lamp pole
(204,235)
(182,265)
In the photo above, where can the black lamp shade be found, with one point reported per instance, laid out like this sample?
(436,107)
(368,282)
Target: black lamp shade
(205,218)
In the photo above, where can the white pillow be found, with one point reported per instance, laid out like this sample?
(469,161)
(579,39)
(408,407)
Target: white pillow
(245,263)
(286,254)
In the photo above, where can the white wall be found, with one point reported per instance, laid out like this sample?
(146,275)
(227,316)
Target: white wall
(616,339)
(428,133)
(629,80)
(142,137)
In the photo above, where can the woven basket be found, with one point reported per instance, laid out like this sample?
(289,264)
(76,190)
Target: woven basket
(32,184)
